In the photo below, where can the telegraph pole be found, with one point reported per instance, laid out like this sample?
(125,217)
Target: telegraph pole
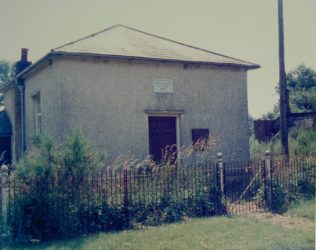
(282,82)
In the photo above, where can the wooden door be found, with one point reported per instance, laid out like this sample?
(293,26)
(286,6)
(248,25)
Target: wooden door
(162,136)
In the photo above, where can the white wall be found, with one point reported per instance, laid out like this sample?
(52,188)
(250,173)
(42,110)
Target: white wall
(106,100)
(47,80)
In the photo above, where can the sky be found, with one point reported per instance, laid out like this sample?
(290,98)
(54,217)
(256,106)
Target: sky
(244,29)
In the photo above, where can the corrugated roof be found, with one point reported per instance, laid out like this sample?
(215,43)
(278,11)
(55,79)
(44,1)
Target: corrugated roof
(123,41)
(5,125)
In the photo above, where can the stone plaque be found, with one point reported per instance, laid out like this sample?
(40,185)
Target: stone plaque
(163,86)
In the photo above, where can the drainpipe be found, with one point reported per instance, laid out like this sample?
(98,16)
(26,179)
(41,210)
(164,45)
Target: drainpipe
(21,88)
(19,67)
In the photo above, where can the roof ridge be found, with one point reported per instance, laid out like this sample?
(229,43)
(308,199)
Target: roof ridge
(85,37)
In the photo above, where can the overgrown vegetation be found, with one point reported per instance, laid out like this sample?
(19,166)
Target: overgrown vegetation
(287,191)
(42,181)
(7,70)
(301,86)
(301,142)
(59,191)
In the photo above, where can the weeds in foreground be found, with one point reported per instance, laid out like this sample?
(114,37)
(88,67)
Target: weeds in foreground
(60,191)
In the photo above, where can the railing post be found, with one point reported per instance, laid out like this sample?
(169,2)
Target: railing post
(4,196)
(220,177)
(267,177)
(126,212)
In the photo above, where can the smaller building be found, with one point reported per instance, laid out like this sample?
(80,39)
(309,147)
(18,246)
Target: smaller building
(5,137)
(266,129)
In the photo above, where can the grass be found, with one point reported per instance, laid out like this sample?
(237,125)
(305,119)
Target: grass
(303,209)
(237,232)
(301,142)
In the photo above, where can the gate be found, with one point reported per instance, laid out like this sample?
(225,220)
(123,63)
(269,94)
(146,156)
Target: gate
(260,184)
(244,186)
(248,185)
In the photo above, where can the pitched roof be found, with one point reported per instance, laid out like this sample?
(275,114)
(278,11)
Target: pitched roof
(5,125)
(123,41)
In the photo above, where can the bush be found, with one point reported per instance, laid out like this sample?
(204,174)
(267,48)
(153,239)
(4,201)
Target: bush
(58,193)
(302,187)
(306,184)
(301,142)
(47,184)
(304,143)
(279,199)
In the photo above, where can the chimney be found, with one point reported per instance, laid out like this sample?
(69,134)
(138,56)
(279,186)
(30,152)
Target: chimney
(24,54)
(23,63)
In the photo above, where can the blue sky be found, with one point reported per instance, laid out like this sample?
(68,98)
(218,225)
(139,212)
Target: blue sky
(245,29)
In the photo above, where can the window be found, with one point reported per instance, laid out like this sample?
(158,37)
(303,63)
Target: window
(199,134)
(200,138)
(37,114)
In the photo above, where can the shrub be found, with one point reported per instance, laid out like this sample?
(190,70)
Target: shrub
(47,184)
(59,193)
(306,183)
(287,190)
(279,199)
(304,143)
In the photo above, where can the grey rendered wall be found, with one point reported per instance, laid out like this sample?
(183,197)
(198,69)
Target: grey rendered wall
(47,81)
(106,100)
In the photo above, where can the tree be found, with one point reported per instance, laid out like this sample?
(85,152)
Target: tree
(301,83)
(6,71)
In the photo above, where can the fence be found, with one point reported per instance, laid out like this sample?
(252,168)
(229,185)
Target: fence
(3,200)
(65,205)
(257,184)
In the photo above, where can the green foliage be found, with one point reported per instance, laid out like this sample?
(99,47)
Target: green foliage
(7,70)
(58,193)
(279,202)
(235,232)
(306,183)
(291,184)
(257,150)
(301,142)
(170,210)
(272,114)
(301,86)
(304,208)
(306,188)
(301,83)
(251,129)
(47,183)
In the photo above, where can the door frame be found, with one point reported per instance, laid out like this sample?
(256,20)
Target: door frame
(177,115)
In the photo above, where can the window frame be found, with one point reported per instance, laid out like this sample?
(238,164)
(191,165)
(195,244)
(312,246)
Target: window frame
(37,113)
